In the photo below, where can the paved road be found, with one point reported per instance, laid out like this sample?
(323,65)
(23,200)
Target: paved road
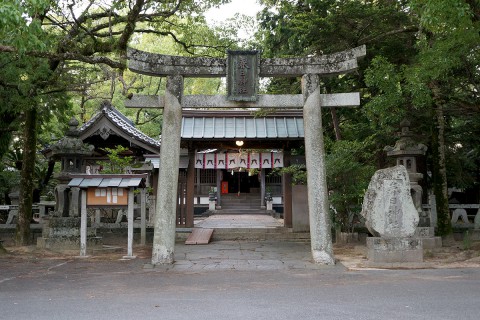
(99,288)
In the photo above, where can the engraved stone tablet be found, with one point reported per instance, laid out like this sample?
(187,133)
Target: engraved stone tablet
(242,75)
(388,206)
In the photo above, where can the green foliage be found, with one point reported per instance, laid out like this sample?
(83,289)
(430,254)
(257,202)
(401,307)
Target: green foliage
(347,179)
(467,240)
(9,179)
(117,163)
(297,171)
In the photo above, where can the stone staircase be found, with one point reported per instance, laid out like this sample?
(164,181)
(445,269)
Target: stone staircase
(244,203)
(259,234)
(232,222)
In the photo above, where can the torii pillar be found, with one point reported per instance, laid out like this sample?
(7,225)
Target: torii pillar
(164,233)
(320,224)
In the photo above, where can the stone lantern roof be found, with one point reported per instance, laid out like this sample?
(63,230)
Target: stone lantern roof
(406,145)
(71,144)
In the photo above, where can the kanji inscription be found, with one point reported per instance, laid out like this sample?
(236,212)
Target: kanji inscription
(242,75)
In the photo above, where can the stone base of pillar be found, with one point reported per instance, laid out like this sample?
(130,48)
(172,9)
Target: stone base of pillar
(211,205)
(475,234)
(323,257)
(427,234)
(269,205)
(394,250)
(63,233)
(162,256)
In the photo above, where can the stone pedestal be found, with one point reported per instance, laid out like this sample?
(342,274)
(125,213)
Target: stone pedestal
(211,205)
(394,250)
(427,234)
(475,235)
(346,237)
(63,233)
(269,205)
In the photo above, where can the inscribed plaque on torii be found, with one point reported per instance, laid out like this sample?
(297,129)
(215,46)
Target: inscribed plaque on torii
(242,75)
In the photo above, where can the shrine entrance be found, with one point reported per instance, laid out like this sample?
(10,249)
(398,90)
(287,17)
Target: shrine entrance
(238,181)
(242,69)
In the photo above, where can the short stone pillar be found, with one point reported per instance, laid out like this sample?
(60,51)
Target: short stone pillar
(392,218)
(427,234)
(13,210)
(269,201)
(270,205)
(212,201)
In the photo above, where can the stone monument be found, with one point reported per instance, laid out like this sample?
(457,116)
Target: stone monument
(392,218)
(406,151)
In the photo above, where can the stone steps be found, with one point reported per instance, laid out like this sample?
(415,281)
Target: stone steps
(241,211)
(247,203)
(259,234)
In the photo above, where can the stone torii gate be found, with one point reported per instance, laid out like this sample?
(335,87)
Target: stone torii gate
(242,69)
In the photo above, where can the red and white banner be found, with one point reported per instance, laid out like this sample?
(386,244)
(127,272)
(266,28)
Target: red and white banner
(247,160)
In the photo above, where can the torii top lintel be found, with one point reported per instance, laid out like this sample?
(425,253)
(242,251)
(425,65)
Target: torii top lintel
(159,65)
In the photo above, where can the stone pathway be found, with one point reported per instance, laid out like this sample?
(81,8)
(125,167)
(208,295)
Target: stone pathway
(243,256)
(239,221)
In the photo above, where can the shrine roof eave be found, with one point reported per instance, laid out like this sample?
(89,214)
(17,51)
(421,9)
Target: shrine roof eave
(108,180)
(235,126)
(110,119)
(229,144)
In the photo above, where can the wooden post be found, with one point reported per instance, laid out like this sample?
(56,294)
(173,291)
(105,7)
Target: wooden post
(262,189)
(83,224)
(287,192)
(190,188)
(143,218)
(131,197)
(219,188)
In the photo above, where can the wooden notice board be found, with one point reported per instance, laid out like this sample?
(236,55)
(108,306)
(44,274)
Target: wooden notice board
(107,196)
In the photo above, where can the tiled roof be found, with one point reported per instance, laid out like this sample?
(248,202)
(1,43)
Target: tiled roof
(104,181)
(122,122)
(231,127)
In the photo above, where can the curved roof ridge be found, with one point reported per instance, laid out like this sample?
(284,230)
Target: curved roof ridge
(121,121)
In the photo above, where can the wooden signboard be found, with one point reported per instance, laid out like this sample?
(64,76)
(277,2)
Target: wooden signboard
(107,197)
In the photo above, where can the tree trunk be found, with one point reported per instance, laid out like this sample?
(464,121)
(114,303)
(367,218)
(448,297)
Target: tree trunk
(444,226)
(336,124)
(26,179)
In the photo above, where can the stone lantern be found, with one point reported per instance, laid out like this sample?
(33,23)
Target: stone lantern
(406,151)
(70,151)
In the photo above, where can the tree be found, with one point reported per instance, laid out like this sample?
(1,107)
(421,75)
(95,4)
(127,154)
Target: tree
(42,43)
(117,162)
(422,63)
(442,82)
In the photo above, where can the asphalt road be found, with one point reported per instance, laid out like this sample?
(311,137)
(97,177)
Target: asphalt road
(113,289)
